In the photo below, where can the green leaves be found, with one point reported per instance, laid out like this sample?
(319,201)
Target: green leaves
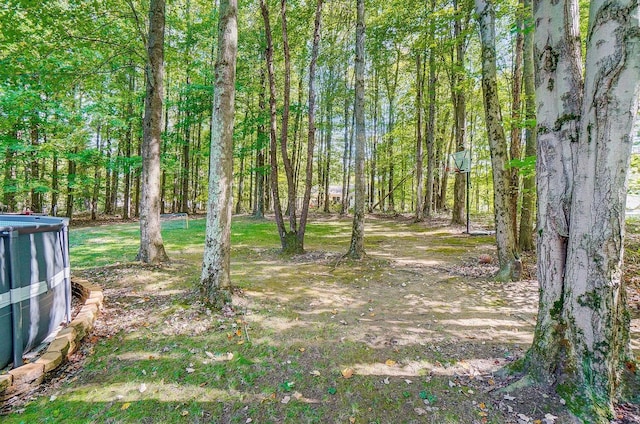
(526,167)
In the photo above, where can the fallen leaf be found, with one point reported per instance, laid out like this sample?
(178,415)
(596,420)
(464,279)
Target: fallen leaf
(286,399)
(352,420)
(419,411)
(297,395)
(347,373)
(184,413)
(390,362)
(302,349)
(125,406)
(315,373)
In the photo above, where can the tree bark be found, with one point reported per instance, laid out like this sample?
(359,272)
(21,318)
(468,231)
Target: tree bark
(216,279)
(259,203)
(525,238)
(585,128)
(311,134)
(356,248)
(419,216)
(275,191)
(126,207)
(430,124)
(151,244)
(459,114)
(516,125)
(346,159)
(510,265)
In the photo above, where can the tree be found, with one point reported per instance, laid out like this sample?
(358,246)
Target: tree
(525,237)
(356,248)
(581,342)
(510,265)
(216,280)
(151,244)
(291,239)
(459,106)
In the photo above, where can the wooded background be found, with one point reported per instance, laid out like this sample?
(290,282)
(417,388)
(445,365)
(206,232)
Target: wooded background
(72,90)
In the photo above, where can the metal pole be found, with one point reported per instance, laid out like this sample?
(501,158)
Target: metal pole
(468,191)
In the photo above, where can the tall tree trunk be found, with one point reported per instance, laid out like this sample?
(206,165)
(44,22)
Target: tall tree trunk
(259,204)
(216,280)
(115,181)
(559,77)
(186,153)
(431,123)
(516,125)
(96,175)
(344,204)
(126,208)
(10,182)
(444,181)
(391,85)
(509,262)
(289,241)
(459,114)
(275,191)
(151,244)
(356,248)
(55,184)
(240,184)
(196,169)
(71,185)
(374,143)
(312,126)
(327,164)
(581,343)
(419,147)
(107,178)
(525,239)
(36,196)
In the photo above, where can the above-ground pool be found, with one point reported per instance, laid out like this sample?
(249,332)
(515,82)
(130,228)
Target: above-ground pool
(35,288)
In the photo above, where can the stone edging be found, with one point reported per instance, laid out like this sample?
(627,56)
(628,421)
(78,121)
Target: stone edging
(21,379)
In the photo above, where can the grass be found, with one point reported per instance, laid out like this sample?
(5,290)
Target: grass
(159,356)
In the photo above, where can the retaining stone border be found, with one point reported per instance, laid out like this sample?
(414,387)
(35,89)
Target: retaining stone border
(20,380)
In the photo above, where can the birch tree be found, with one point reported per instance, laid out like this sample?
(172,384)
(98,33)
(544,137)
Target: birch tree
(581,342)
(151,244)
(216,280)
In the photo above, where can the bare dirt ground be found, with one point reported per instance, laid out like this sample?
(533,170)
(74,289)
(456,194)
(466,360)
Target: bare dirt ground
(419,310)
